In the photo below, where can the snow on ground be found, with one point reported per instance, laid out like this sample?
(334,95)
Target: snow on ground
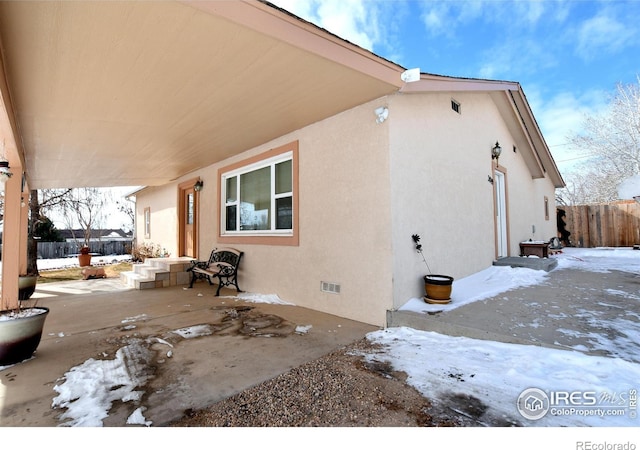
(498,279)
(484,284)
(61,263)
(495,373)
(437,365)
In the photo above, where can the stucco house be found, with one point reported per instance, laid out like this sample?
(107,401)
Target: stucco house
(317,158)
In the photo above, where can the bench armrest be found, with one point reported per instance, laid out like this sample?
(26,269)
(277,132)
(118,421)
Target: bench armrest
(199,264)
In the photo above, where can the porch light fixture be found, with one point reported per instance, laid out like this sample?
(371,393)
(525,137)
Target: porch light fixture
(495,152)
(381,114)
(198,186)
(5,171)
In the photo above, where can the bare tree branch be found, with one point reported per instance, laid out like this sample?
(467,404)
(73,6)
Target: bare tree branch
(613,140)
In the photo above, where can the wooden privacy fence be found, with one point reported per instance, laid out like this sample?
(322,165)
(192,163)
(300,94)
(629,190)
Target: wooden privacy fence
(615,224)
(49,250)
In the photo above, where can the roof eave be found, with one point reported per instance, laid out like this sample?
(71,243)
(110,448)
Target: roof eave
(278,23)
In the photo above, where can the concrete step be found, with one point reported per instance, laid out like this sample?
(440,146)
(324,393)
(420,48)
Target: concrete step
(530,262)
(158,273)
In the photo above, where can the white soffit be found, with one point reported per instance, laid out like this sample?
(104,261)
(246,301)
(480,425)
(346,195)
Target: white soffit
(141,93)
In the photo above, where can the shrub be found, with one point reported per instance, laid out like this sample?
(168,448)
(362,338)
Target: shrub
(146,250)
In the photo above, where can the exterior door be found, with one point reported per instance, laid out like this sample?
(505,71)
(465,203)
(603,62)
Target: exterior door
(502,245)
(188,221)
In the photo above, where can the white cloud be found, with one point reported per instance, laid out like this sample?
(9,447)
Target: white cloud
(602,34)
(356,21)
(515,59)
(444,17)
(535,12)
(375,25)
(436,20)
(531,12)
(561,117)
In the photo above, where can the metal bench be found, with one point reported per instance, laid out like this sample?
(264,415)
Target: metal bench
(222,264)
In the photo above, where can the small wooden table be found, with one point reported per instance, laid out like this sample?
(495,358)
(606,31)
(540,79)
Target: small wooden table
(533,248)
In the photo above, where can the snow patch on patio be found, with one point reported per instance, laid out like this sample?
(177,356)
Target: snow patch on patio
(90,389)
(258,298)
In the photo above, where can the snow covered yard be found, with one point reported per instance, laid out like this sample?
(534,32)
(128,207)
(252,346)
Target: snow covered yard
(604,388)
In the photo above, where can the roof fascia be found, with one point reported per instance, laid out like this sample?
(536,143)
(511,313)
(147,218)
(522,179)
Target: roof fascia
(438,83)
(270,20)
(534,134)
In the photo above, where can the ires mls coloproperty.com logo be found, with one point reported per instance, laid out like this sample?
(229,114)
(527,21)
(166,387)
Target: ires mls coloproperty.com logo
(534,403)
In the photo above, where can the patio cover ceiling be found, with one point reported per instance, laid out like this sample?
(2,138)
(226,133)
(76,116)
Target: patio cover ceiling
(141,93)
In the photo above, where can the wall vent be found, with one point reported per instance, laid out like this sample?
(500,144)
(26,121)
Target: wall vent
(332,288)
(455,106)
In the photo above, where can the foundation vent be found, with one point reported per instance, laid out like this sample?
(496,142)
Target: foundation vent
(332,288)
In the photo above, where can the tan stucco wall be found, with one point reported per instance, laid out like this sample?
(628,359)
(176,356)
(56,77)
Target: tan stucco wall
(163,202)
(440,164)
(344,228)
(364,189)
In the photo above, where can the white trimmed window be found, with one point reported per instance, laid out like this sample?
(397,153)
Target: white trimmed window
(147,223)
(257,199)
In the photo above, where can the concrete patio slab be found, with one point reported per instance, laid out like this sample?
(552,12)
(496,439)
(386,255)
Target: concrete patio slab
(93,319)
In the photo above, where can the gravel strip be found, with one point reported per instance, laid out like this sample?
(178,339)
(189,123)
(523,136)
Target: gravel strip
(337,390)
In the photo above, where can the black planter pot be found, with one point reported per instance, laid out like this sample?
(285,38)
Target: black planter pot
(20,336)
(26,286)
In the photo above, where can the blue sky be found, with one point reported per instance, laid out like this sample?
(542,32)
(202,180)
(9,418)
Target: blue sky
(567,55)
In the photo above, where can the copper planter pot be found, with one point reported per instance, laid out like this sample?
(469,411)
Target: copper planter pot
(438,288)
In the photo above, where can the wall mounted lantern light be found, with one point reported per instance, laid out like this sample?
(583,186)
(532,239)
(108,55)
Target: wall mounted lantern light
(495,152)
(198,186)
(5,171)
(381,114)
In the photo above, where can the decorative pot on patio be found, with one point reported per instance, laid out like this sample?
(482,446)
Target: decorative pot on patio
(20,333)
(438,288)
(84,258)
(26,286)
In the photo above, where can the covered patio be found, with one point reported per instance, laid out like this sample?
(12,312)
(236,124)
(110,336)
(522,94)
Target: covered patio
(104,94)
